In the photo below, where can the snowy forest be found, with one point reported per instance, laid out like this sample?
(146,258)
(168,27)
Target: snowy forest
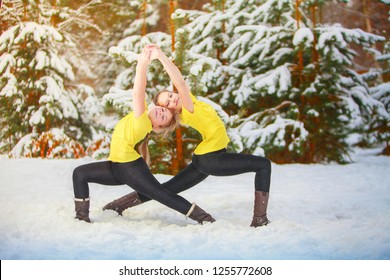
(297,81)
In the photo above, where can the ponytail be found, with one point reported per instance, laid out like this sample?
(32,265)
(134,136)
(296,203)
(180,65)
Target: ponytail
(143,150)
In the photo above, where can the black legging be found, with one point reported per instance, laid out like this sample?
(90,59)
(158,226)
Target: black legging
(135,174)
(219,163)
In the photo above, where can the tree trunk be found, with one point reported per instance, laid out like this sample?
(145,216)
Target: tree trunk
(366,12)
(367,15)
(313,9)
(178,159)
(299,69)
(144,27)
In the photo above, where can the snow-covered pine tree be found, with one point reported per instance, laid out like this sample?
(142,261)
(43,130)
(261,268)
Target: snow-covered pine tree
(380,128)
(110,18)
(125,53)
(263,55)
(289,78)
(45,112)
(197,75)
(363,111)
(226,42)
(205,36)
(199,43)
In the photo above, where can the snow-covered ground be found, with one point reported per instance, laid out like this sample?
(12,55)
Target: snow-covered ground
(332,212)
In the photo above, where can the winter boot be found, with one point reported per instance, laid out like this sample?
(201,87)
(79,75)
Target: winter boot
(199,215)
(260,209)
(121,204)
(82,209)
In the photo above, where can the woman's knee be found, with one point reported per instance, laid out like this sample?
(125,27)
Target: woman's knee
(268,164)
(79,174)
(265,165)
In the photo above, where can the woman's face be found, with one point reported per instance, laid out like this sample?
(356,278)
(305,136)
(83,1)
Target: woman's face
(170,100)
(160,117)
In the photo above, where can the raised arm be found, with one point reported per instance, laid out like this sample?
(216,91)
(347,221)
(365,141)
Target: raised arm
(140,82)
(175,75)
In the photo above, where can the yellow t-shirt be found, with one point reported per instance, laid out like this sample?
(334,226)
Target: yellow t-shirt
(127,133)
(207,122)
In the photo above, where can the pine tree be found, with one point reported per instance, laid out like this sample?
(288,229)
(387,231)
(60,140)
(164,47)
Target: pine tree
(110,18)
(379,128)
(289,78)
(284,83)
(125,53)
(46,112)
(235,69)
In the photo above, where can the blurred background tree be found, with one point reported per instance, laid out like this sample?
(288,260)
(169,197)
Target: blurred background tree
(294,80)
(46,110)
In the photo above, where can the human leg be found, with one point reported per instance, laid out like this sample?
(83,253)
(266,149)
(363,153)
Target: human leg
(185,179)
(97,172)
(138,176)
(227,164)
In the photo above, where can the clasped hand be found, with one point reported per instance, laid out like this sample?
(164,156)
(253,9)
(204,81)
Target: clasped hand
(149,53)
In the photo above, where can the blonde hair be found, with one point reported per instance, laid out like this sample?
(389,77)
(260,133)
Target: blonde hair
(143,148)
(172,125)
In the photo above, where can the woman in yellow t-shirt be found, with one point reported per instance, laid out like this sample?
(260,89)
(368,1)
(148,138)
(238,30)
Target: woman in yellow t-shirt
(125,165)
(210,156)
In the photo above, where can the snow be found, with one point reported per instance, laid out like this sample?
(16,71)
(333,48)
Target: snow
(39,32)
(336,212)
(280,75)
(303,35)
(10,89)
(7,61)
(41,60)
(382,92)
(37,118)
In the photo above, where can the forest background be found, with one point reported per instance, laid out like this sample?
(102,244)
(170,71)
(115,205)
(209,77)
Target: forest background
(298,81)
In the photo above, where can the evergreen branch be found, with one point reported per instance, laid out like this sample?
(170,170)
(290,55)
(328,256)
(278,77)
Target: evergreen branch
(79,11)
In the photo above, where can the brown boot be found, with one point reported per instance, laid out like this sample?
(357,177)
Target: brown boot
(121,204)
(199,215)
(260,209)
(82,209)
